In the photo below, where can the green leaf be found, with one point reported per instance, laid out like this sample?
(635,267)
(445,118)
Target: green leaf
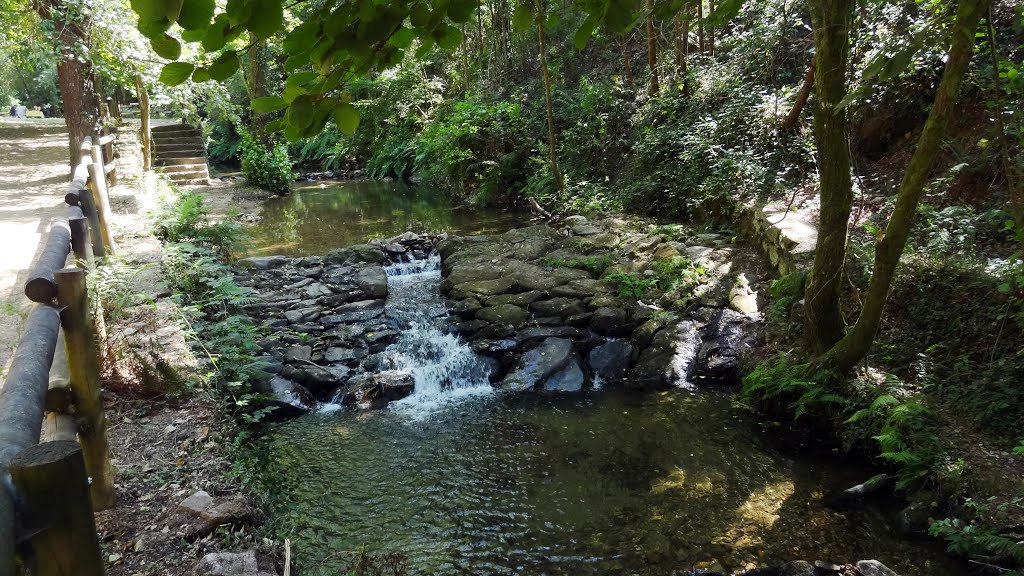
(200,75)
(149,10)
(300,113)
(225,66)
(460,11)
(723,13)
(154,28)
(619,15)
(402,38)
(522,18)
(166,47)
(176,72)
(447,37)
(586,30)
(266,18)
(346,117)
(1004,287)
(238,11)
(196,35)
(292,92)
(300,78)
(217,34)
(301,38)
(196,14)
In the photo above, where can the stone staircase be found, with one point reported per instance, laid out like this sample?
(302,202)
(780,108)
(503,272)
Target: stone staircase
(180,152)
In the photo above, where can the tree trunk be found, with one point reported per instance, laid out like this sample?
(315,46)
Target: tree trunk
(74,71)
(652,51)
(1012,183)
(791,119)
(855,345)
(145,133)
(556,175)
(711,31)
(823,318)
(685,41)
(700,26)
(256,85)
(628,68)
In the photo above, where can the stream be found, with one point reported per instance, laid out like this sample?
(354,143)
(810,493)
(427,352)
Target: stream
(460,479)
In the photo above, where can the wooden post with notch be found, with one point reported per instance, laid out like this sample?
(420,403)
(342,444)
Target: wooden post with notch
(84,373)
(146,133)
(51,481)
(101,199)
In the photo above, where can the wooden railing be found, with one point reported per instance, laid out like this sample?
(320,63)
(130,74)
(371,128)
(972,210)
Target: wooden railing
(48,490)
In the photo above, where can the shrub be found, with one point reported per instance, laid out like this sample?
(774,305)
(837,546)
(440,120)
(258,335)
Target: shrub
(267,168)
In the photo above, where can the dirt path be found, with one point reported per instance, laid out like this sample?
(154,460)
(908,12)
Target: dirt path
(33,179)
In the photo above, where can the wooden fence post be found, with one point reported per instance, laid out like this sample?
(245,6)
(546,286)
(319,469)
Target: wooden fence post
(80,240)
(147,155)
(84,372)
(52,484)
(101,200)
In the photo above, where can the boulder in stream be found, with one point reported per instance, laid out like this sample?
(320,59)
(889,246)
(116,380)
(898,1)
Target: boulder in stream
(533,368)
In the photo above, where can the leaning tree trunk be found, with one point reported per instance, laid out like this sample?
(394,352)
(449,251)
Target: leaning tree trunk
(652,52)
(556,175)
(823,318)
(74,71)
(791,119)
(855,346)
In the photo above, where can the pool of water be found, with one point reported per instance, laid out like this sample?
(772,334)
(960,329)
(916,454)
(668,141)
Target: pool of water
(319,217)
(613,483)
(460,479)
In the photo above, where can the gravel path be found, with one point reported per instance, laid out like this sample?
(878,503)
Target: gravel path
(33,179)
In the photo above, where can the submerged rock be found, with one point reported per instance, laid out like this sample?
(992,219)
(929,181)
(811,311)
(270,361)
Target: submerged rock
(611,361)
(569,379)
(874,568)
(534,367)
(288,398)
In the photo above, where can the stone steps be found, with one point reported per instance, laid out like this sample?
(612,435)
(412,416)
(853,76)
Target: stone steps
(180,152)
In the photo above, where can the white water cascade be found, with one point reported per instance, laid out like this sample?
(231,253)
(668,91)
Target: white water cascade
(444,367)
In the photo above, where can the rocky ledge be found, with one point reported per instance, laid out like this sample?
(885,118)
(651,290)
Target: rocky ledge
(550,309)
(557,309)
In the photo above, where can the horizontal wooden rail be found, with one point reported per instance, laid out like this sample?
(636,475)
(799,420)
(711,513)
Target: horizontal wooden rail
(104,140)
(40,286)
(22,400)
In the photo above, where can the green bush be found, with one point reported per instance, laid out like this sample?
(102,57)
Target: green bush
(267,168)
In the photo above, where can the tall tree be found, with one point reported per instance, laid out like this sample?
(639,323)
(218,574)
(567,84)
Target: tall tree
(541,17)
(652,51)
(823,318)
(75,77)
(855,345)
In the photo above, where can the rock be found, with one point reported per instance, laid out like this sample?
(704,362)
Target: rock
(797,568)
(298,354)
(200,514)
(822,568)
(360,311)
(373,281)
(646,332)
(611,361)
(347,331)
(338,354)
(603,301)
(288,398)
(873,568)
(494,347)
(227,564)
(263,262)
(697,252)
(583,288)
(483,288)
(503,314)
(742,298)
(495,332)
(527,337)
(302,315)
(317,379)
(359,253)
(878,485)
(709,238)
(666,252)
(472,272)
(466,308)
(532,368)
(532,248)
(394,249)
(533,277)
(561,307)
(586,230)
(728,336)
(666,362)
(522,300)
(603,241)
(579,320)
(914,517)
(610,321)
(387,386)
(382,336)
(471,327)
(569,379)
(270,365)
(575,219)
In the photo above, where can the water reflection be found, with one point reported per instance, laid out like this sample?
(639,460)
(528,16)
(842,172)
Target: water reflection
(320,217)
(613,484)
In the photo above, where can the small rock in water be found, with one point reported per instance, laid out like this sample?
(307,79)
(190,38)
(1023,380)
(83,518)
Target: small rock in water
(797,568)
(874,568)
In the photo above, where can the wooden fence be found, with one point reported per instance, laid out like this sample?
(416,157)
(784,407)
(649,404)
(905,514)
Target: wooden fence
(49,489)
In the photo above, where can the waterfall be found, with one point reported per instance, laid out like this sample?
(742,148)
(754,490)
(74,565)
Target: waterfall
(442,365)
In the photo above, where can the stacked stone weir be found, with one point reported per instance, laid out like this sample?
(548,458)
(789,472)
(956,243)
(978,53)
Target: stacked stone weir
(180,152)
